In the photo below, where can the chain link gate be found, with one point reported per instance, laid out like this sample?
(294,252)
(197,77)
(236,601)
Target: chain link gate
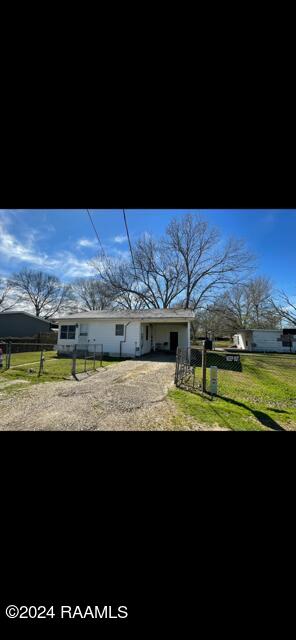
(86,358)
(192,364)
(187,360)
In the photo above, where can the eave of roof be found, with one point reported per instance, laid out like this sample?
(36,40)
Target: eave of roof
(157,314)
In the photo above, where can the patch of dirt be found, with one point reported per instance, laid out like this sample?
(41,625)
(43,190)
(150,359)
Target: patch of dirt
(128,396)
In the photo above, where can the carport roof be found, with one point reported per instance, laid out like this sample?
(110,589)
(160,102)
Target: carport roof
(143,314)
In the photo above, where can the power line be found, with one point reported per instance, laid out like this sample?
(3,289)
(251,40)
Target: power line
(129,241)
(94,228)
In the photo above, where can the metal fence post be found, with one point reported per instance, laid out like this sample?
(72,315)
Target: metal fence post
(73,372)
(9,356)
(95,346)
(204,367)
(41,366)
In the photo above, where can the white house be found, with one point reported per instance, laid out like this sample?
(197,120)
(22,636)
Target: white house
(126,333)
(272,340)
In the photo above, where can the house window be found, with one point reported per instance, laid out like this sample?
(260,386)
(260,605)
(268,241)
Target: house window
(147,333)
(119,329)
(68,332)
(83,330)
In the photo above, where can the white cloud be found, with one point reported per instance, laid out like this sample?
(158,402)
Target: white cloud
(12,249)
(120,239)
(71,267)
(85,242)
(65,264)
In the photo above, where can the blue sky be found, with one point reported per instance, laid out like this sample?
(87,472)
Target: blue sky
(63,241)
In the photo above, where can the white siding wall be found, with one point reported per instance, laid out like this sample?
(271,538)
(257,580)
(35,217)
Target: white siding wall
(268,341)
(103,332)
(263,341)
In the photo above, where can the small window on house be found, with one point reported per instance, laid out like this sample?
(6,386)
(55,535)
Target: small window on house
(147,333)
(68,332)
(119,329)
(83,330)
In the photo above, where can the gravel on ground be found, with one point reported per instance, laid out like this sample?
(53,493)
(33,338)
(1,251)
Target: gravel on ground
(128,396)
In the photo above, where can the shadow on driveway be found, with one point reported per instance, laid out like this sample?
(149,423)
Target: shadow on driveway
(159,356)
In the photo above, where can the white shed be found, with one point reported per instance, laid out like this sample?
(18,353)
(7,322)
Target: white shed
(266,340)
(126,333)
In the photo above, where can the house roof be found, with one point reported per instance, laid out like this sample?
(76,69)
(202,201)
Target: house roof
(143,314)
(24,313)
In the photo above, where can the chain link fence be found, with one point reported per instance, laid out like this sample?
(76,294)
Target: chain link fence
(3,356)
(192,364)
(86,358)
(26,357)
(36,360)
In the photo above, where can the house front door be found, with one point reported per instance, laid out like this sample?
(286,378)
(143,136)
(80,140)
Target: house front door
(174,341)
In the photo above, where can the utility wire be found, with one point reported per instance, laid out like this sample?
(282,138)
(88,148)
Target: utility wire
(94,228)
(129,241)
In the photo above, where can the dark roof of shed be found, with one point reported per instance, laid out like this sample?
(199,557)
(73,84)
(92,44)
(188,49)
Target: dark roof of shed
(24,313)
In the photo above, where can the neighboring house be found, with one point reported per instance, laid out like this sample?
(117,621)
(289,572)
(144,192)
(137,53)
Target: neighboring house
(19,324)
(273,340)
(126,333)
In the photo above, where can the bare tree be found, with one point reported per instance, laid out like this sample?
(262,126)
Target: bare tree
(285,307)
(91,294)
(247,306)
(6,300)
(45,293)
(207,264)
(152,280)
(186,267)
(127,300)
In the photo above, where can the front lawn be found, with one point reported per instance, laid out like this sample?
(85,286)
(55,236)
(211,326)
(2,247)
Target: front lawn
(262,396)
(25,367)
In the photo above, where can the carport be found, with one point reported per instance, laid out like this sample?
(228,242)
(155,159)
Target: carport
(165,337)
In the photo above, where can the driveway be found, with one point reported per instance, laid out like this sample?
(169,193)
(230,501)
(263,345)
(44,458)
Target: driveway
(131,395)
(128,395)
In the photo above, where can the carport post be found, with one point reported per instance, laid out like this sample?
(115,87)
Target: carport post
(178,354)
(189,340)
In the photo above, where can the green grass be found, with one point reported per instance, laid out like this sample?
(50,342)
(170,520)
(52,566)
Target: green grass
(55,369)
(223,344)
(262,396)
